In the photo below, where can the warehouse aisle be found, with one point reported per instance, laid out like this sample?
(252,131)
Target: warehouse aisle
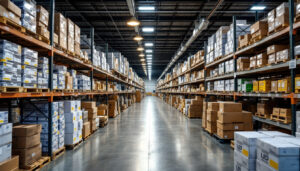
(150,135)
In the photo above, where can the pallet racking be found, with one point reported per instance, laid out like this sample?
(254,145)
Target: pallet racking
(286,33)
(58,56)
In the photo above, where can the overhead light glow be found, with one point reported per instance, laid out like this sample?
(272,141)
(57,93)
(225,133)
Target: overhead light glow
(141,55)
(148,29)
(138,38)
(258,7)
(133,22)
(140,48)
(149,44)
(149,51)
(146,8)
(149,55)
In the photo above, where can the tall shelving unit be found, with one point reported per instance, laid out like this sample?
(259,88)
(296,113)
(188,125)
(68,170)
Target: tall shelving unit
(58,56)
(288,34)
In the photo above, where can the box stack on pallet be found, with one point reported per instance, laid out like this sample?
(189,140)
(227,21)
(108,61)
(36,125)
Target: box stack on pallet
(92,114)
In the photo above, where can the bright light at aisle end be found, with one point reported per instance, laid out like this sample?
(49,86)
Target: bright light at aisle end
(258,7)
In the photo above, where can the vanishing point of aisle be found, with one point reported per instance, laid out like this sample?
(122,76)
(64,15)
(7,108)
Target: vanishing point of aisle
(150,135)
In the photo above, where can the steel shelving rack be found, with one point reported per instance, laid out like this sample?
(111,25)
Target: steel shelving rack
(290,33)
(58,56)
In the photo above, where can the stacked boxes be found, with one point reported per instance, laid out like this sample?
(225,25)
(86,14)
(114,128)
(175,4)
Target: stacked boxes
(43,72)
(28,18)
(112,108)
(204,114)
(74,122)
(42,18)
(5,136)
(61,124)
(71,35)
(73,74)
(10,65)
(77,40)
(282,16)
(60,28)
(69,81)
(29,68)
(10,10)
(244,40)
(271,21)
(84,82)
(221,39)
(102,110)
(195,108)
(261,59)
(34,116)
(274,50)
(259,30)
(211,116)
(245,85)
(60,71)
(92,113)
(231,118)
(26,143)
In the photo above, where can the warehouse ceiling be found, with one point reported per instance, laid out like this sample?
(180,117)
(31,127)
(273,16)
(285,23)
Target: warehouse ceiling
(173,22)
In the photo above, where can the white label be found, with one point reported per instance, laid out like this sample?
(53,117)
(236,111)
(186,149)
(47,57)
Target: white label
(292,64)
(236,127)
(33,154)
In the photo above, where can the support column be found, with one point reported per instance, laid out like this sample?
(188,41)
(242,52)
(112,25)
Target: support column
(92,57)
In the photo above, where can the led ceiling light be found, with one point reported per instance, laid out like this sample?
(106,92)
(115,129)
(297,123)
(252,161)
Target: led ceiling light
(148,44)
(258,7)
(138,38)
(149,51)
(146,8)
(141,55)
(148,29)
(140,48)
(133,22)
(149,55)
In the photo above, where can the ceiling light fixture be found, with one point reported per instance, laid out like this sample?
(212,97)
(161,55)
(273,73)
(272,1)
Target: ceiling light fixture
(148,29)
(138,38)
(148,44)
(149,55)
(146,8)
(258,7)
(133,22)
(149,51)
(141,55)
(140,48)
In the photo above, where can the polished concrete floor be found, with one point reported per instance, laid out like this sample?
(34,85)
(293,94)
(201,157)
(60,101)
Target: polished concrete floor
(150,135)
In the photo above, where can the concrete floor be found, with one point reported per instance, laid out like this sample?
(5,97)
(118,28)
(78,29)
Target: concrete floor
(150,135)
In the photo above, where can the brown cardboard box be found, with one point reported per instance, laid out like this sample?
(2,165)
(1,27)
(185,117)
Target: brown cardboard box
(212,115)
(263,108)
(62,41)
(225,134)
(259,25)
(26,141)
(71,44)
(243,64)
(285,112)
(101,112)
(275,48)
(5,13)
(60,24)
(77,34)
(55,38)
(272,58)
(230,107)
(211,127)
(244,40)
(271,20)
(28,155)
(112,108)
(230,126)
(276,111)
(92,113)
(10,165)
(77,48)
(43,31)
(69,82)
(230,117)
(10,6)
(274,86)
(86,131)
(93,125)
(88,104)
(213,106)
(102,107)
(195,111)
(264,86)
(282,21)
(253,62)
(42,15)
(27,130)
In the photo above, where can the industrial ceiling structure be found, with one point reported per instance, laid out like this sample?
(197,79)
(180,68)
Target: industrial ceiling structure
(172,21)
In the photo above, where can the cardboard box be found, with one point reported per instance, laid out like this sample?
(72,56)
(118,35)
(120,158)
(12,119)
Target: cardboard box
(276,111)
(230,107)
(264,108)
(60,24)
(86,131)
(88,104)
(282,21)
(284,85)
(297,83)
(272,58)
(5,13)
(26,141)
(230,117)
(225,134)
(213,106)
(27,130)
(28,155)
(93,125)
(101,112)
(264,86)
(274,86)
(285,112)
(211,127)
(212,116)
(43,31)
(55,38)
(243,64)
(77,34)
(275,48)
(230,126)
(255,86)
(42,15)
(10,6)
(77,48)
(10,165)
(253,62)
(259,25)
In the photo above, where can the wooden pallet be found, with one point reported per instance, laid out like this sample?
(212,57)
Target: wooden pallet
(297,91)
(221,140)
(264,116)
(7,89)
(256,39)
(74,146)
(232,144)
(43,39)
(44,90)
(8,22)
(58,153)
(31,90)
(285,120)
(281,27)
(206,131)
(58,90)
(42,162)
(87,137)
(103,124)
(69,90)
